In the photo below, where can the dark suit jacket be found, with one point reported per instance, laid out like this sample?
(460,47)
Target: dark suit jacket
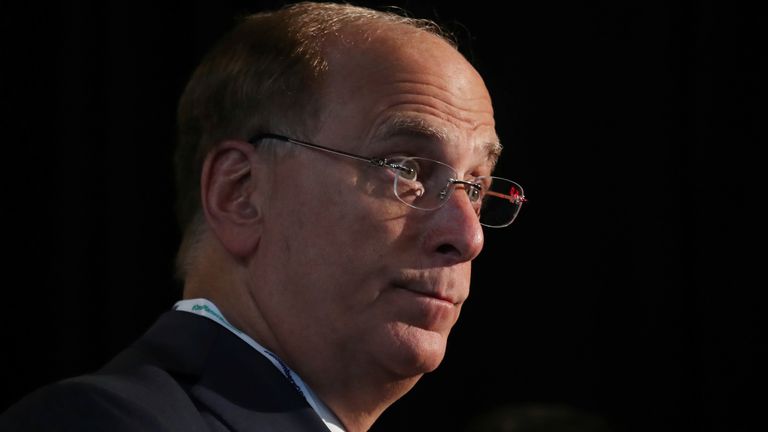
(187,373)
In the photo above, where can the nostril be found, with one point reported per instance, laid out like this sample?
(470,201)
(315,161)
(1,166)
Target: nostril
(448,249)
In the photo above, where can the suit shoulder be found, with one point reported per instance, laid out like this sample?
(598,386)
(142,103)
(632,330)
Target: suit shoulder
(146,401)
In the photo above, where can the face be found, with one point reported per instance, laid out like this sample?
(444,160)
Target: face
(367,281)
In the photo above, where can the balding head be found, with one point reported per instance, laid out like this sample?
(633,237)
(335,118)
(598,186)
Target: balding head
(262,76)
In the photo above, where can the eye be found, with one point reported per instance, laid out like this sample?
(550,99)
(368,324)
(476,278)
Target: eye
(475,192)
(407,169)
(406,172)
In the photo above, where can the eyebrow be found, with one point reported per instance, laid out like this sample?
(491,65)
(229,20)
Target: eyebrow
(403,125)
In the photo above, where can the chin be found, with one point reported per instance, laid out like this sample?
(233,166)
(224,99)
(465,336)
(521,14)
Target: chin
(413,351)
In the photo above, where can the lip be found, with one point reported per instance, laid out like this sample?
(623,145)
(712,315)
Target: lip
(426,301)
(423,290)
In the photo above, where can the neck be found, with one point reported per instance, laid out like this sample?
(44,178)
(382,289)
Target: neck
(359,399)
(357,394)
(356,390)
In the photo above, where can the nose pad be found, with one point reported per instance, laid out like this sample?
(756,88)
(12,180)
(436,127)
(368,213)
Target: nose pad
(445,191)
(472,191)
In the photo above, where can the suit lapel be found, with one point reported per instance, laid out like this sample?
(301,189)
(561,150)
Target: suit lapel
(227,377)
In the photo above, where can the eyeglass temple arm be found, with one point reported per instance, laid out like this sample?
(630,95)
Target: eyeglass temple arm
(512,198)
(382,162)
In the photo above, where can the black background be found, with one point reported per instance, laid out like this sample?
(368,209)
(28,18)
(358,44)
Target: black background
(629,287)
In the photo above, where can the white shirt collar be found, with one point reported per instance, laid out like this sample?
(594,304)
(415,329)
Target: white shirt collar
(206,308)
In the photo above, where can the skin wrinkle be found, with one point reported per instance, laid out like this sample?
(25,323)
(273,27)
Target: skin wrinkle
(460,112)
(443,90)
(400,124)
(445,105)
(443,111)
(491,148)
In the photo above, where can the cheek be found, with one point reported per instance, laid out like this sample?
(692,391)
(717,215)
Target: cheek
(335,233)
(376,186)
(355,214)
(344,234)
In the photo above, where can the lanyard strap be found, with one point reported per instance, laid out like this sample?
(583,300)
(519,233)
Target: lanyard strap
(209,310)
(206,308)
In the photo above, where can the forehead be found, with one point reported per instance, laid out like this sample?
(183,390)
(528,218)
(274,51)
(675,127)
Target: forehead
(418,128)
(401,82)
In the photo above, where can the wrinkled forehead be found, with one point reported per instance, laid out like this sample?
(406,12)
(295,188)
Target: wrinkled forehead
(407,82)
(421,129)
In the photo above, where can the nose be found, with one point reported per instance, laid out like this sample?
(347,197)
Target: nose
(454,234)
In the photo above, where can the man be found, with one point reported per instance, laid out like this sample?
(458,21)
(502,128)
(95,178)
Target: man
(332,165)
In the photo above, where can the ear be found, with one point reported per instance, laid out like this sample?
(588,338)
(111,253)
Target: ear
(233,188)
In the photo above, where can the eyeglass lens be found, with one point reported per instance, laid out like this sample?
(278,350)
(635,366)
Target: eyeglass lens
(427,184)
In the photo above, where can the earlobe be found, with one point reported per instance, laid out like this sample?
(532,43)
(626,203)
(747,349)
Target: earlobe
(232,189)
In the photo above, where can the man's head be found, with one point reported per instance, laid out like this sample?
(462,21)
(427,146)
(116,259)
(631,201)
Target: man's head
(313,254)
(265,75)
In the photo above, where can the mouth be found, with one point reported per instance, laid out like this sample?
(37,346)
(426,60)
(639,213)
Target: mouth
(427,292)
(429,302)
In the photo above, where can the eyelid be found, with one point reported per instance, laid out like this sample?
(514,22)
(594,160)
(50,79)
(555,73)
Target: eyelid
(481,170)
(399,155)
(474,174)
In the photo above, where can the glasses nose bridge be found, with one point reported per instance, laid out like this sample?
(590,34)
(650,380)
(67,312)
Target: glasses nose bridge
(464,208)
(468,186)
(450,186)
